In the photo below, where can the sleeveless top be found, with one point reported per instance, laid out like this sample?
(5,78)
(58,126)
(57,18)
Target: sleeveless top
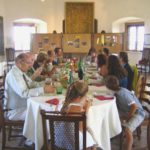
(66,133)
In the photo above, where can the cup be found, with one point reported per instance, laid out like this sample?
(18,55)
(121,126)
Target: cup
(48,81)
(59,89)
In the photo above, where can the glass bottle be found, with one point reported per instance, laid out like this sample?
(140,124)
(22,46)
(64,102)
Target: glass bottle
(70,81)
(80,70)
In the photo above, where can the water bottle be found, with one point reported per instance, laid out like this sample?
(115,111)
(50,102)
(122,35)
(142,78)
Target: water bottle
(70,81)
(80,70)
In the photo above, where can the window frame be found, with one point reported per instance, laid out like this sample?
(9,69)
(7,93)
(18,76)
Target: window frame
(127,25)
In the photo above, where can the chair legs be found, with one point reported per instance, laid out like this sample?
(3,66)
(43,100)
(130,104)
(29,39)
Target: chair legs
(148,136)
(139,132)
(9,132)
(4,146)
(121,140)
(3,138)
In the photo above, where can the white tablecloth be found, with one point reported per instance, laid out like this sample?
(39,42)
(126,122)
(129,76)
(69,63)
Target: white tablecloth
(102,119)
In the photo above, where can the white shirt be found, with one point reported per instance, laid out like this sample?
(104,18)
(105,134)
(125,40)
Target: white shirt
(17,91)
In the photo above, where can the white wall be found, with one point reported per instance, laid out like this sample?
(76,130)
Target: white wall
(1,7)
(53,12)
(107,12)
(134,57)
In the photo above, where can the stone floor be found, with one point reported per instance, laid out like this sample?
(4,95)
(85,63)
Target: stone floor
(138,144)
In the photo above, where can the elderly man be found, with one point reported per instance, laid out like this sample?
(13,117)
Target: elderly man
(18,88)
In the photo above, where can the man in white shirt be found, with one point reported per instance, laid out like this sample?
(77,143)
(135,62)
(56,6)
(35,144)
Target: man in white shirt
(18,88)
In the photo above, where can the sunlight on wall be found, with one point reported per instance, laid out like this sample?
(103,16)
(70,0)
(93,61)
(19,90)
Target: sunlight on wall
(119,25)
(40,25)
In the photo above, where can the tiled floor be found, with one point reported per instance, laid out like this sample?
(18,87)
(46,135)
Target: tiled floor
(138,144)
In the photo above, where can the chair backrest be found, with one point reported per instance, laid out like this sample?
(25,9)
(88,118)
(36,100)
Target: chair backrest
(1,113)
(140,87)
(64,130)
(135,77)
(146,54)
(10,54)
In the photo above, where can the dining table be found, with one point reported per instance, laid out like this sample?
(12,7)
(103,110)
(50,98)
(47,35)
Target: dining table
(103,121)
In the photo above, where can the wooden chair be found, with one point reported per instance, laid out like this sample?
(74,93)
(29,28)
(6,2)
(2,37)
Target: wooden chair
(140,94)
(2,85)
(144,99)
(4,123)
(61,125)
(144,64)
(10,57)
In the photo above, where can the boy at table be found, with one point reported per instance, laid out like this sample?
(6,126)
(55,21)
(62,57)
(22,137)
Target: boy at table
(128,106)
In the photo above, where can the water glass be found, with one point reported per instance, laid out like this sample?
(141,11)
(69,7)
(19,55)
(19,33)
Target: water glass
(59,89)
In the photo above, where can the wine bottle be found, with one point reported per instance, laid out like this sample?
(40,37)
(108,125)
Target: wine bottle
(80,70)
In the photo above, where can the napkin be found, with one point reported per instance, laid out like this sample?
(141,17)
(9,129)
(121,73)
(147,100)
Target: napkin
(97,84)
(94,78)
(102,98)
(53,101)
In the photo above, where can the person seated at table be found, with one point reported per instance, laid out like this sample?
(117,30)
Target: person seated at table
(102,65)
(76,102)
(129,108)
(50,56)
(115,68)
(91,56)
(41,68)
(35,72)
(58,56)
(50,69)
(18,88)
(105,51)
(123,57)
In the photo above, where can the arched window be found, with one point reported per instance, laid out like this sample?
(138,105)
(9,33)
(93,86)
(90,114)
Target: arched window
(22,35)
(134,36)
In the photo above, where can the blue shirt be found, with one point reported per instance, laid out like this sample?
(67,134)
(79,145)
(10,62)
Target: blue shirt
(125,99)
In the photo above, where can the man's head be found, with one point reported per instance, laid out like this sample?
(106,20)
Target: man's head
(112,83)
(58,52)
(106,51)
(31,58)
(123,57)
(23,62)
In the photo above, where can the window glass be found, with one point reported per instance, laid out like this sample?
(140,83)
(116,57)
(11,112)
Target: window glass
(22,37)
(135,37)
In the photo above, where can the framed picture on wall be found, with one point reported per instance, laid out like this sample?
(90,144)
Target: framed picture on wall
(147,40)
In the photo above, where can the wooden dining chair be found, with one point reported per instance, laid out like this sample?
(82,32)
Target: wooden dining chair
(64,130)
(2,85)
(6,123)
(10,57)
(144,64)
(141,94)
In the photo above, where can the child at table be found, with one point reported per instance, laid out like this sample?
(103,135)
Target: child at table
(128,106)
(75,101)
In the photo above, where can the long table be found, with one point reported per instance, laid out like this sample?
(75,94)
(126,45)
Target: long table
(102,118)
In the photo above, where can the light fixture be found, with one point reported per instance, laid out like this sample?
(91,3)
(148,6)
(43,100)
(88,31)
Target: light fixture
(42,0)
